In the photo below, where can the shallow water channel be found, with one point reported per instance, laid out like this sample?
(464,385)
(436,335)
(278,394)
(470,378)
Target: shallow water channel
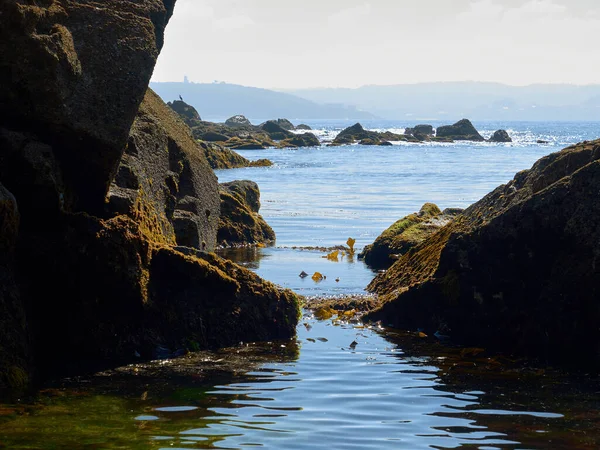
(339,384)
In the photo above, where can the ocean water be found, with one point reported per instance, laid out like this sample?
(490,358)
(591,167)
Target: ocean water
(319,197)
(340,385)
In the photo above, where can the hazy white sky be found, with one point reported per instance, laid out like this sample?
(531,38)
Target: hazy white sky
(349,43)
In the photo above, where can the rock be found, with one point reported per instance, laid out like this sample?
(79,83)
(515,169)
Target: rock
(220,157)
(303,127)
(356,133)
(165,171)
(517,272)
(369,141)
(425,130)
(212,136)
(187,112)
(81,94)
(541,141)
(240,224)
(276,131)
(301,140)
(245,144)
(15,345)
(500,136)
(237,121)
(386,144)
(463,130)
(405,234)
(85,289)
(285,124)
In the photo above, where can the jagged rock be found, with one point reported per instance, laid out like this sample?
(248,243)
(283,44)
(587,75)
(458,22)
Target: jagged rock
(81,95)
(303,126)
(356,133)
(405,234)
(187,112)
(237,143)
(240,223)
(164,170)
(500,136)
(237,121)
(424,130)
(369,141)
(517,272)
(463,130)
(301,140)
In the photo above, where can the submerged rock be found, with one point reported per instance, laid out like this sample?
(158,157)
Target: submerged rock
(517,271)
(463,130)
(500,136)
(405,234)
(240,224)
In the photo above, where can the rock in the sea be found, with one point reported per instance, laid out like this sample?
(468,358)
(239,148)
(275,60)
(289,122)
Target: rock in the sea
(276,131)
(61,77)
(285,124)
(303,126)
(356,133)
(405,234)
(240,223)
(237,121)
(187,112)
(213,136)
(164,170)
(220,157)
(463,130)
(517,272)
(500,136)
(301,140)
(424,129)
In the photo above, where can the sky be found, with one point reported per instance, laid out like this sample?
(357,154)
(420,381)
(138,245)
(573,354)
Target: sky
(281,44)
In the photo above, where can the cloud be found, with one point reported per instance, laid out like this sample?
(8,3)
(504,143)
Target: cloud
(351,15)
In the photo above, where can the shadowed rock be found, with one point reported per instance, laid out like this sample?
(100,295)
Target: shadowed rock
(518,271)
(187,112)
(500,136)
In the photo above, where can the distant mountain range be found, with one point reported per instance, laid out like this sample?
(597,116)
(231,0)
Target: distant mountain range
(474,100)
(217,102)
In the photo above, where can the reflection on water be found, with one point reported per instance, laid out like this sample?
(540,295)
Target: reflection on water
(380,393)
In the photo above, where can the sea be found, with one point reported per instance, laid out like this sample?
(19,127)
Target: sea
(339,384)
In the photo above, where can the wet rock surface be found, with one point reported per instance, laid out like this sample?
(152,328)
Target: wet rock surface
(516,272)
(463,130)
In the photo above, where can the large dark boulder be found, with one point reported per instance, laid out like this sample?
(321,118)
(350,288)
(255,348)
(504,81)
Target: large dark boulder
(518,271)
(303,126)
(500,136)
(187,112)
(165,170)
(356,133)
(463,130)
(405,234)
(285,124)
(240,223)
(275,130)
(75,74)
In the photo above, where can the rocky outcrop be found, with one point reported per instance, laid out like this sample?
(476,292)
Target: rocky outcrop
(518,271)
(187,112)
(285,124)
(275,130)
(500,136)
(164,170)
(425,130)
(356,133)
(463,130)
(303,126)
(220,157)
(88,281)
(237,121)
(405,234)
(301,140)
(240,224)
(83,94)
